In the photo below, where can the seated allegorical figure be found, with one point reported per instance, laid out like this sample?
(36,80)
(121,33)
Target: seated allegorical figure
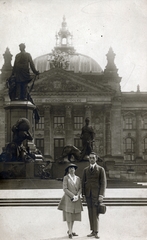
(16,150)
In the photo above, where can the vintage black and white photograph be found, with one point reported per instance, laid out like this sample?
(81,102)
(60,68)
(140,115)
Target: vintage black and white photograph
(73,119)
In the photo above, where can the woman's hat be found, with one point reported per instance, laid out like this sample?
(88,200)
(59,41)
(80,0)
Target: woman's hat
(71,165)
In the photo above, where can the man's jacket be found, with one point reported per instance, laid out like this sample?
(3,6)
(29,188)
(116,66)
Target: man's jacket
(94,182)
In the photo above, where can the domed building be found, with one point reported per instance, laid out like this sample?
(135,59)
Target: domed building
(73,86)
(65,53)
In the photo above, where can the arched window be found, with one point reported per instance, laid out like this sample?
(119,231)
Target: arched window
(64,41)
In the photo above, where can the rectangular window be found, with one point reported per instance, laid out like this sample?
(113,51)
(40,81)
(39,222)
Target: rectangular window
(59,122)
(129,149)
(129,145)
(39,142)
(128,123)
(58,147)
(78,122)
(58,143)
(40,125)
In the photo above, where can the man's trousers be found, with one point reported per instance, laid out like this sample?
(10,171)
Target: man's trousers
(93,213)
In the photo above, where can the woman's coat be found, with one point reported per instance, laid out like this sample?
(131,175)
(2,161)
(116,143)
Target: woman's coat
(70,189)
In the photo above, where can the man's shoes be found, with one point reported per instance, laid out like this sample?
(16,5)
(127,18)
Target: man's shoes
(91,234)
(70,235)
(96,235)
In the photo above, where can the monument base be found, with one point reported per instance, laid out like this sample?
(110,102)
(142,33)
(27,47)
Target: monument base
(24,170)
(16,110)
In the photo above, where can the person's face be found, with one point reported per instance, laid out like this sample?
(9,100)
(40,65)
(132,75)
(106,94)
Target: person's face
(92,158)
(71,170)
(22,48)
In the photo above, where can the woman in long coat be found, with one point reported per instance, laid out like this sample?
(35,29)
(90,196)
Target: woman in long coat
(70,203)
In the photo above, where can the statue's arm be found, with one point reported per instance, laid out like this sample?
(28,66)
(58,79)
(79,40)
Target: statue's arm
(32,64)
(29,136)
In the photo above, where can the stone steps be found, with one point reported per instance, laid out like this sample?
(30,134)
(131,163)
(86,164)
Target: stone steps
(47,202)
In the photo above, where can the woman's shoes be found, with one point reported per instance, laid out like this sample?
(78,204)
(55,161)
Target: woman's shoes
(73,234)
(70,235)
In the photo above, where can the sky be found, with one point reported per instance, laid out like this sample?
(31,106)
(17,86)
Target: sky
(96,26)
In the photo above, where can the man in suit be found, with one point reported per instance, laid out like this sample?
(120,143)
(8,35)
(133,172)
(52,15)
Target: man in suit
(93,189)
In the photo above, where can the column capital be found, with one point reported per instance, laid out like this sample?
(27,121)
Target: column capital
(88,107)
(68,107)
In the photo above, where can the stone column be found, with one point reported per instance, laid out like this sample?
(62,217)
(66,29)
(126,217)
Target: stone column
(68,125)
(47,131)
(88,112)
(116,130)
(138,135)
(107,132)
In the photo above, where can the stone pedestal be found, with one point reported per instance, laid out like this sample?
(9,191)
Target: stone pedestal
(30,170)
(15,110)
(47,130)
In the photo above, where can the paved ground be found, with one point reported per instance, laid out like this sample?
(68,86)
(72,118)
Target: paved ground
(45,223)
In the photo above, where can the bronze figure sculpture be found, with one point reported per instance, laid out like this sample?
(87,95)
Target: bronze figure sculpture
(20,77)
(87,136)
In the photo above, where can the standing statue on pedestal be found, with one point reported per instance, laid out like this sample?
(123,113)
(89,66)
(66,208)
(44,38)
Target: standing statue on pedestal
(87,136)
(20,78)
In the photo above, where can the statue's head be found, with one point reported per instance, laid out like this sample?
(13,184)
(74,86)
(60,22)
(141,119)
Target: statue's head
(23,124)
(22,46)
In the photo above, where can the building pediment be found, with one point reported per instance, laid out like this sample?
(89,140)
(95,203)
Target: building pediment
(60,80)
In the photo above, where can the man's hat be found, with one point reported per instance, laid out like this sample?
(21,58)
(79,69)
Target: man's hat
(70,165)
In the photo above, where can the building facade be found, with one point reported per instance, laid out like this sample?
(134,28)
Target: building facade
(73,86)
